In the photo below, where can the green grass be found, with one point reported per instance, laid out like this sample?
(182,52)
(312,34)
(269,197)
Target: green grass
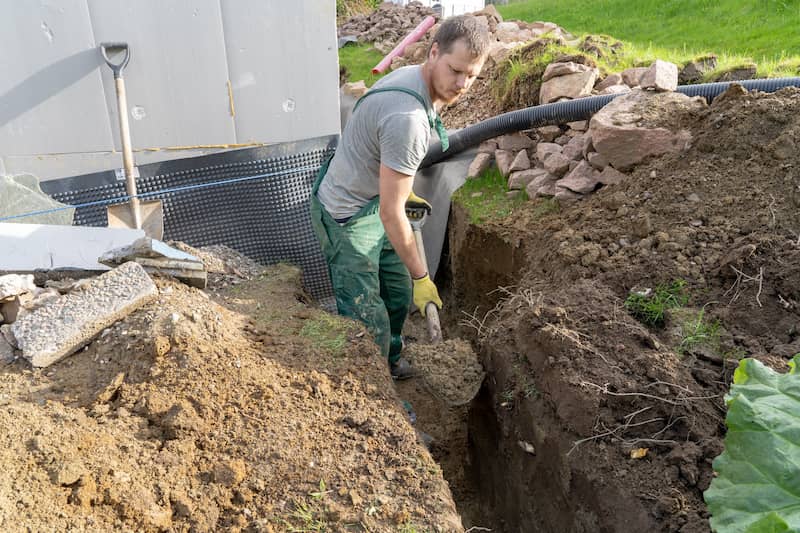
(699,331)
(358,60)
(762,31)
(649,307)
(327,332)
(485,197)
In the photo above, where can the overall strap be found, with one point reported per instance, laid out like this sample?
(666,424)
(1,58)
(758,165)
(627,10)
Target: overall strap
(433,118)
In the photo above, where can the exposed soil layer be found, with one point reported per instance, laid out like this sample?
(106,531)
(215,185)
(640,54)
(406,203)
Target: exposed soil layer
(591,421)
(249,411)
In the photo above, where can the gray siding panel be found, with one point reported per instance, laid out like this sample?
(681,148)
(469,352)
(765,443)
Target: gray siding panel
(51,95)
(284,69)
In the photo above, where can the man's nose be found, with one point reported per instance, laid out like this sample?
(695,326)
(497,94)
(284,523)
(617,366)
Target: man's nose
(461,82)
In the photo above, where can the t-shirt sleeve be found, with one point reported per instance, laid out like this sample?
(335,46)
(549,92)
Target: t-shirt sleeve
(403,138)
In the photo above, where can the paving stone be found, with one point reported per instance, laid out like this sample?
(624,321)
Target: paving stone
(55,331)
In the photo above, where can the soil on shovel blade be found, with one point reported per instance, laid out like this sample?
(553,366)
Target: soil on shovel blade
(591,420)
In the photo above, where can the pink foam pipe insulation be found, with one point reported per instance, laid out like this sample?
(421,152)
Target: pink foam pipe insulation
(412,37)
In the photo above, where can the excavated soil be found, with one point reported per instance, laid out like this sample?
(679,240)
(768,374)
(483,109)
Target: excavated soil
(247,410)
(591,421)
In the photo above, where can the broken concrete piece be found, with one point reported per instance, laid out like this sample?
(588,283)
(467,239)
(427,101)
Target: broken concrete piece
(661,76)
(568,86)
(521,162)
(53,332)
(479,165)
(14,308)
(159,258)
(15,284)
(31,247)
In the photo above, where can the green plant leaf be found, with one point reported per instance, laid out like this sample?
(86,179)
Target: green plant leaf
(757,489)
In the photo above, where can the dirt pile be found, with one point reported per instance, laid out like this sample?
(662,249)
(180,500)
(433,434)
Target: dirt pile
(247,410)
(611,423)
(387,25)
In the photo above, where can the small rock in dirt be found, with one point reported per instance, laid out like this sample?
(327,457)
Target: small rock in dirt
(67,473)
(230,473)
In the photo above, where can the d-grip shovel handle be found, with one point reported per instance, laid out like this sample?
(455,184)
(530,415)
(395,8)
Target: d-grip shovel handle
(117,68)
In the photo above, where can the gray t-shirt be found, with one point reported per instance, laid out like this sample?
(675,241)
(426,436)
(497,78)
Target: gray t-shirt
(388,127)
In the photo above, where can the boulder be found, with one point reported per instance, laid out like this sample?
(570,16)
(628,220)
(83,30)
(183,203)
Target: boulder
(631,76)
(481,162)
(573,150)
(520,180)
(504,158)
(514,142)
(557,164)
(543,150)
(542,185)
(695,70)
(598,161)
(549,133)
(608,81)
(570,86)
(553,70)
(611,176)
(616,89)
(583,179)
(521,162)
(661,76)
(637,125)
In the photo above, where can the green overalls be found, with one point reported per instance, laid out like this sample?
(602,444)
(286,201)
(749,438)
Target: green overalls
(370,281)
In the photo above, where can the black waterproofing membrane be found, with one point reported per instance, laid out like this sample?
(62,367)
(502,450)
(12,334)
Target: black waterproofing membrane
(211,200)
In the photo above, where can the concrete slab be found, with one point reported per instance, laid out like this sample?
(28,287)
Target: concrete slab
(55,331)
(31,247)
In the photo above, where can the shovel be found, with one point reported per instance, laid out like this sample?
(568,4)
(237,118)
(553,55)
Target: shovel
(416,216)
(135,214)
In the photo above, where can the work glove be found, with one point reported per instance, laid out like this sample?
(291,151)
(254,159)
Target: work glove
(416,202)
(424,292)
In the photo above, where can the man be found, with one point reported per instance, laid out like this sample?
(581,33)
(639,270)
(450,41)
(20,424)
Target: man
(358,203)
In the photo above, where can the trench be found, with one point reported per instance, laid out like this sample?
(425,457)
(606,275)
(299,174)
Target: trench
(504,455)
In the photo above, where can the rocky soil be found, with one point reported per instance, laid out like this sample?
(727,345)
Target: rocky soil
(237,409)
(612,423)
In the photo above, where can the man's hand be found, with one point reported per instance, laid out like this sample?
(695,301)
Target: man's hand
(416,202)
(424,292)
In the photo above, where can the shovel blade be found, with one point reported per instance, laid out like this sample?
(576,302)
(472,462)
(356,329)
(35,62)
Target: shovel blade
(121,216)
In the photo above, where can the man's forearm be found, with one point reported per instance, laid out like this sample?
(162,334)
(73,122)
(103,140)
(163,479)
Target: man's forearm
(398,230)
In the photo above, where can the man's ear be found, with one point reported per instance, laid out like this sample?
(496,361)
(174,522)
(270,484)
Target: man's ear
(434,52)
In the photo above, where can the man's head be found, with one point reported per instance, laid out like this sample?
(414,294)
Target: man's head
(455,58)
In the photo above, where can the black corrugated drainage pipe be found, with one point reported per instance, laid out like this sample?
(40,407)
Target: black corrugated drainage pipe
(574,110)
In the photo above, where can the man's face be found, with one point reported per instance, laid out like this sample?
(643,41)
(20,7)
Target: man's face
(454,72)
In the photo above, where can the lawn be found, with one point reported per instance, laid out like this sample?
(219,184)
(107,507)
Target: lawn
(765,31)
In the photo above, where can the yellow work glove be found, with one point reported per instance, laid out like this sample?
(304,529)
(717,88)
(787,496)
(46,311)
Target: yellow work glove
(424,292)
(415,202)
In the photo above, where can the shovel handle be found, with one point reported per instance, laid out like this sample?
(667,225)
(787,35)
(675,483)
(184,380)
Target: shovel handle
(106,48)
(434,326)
